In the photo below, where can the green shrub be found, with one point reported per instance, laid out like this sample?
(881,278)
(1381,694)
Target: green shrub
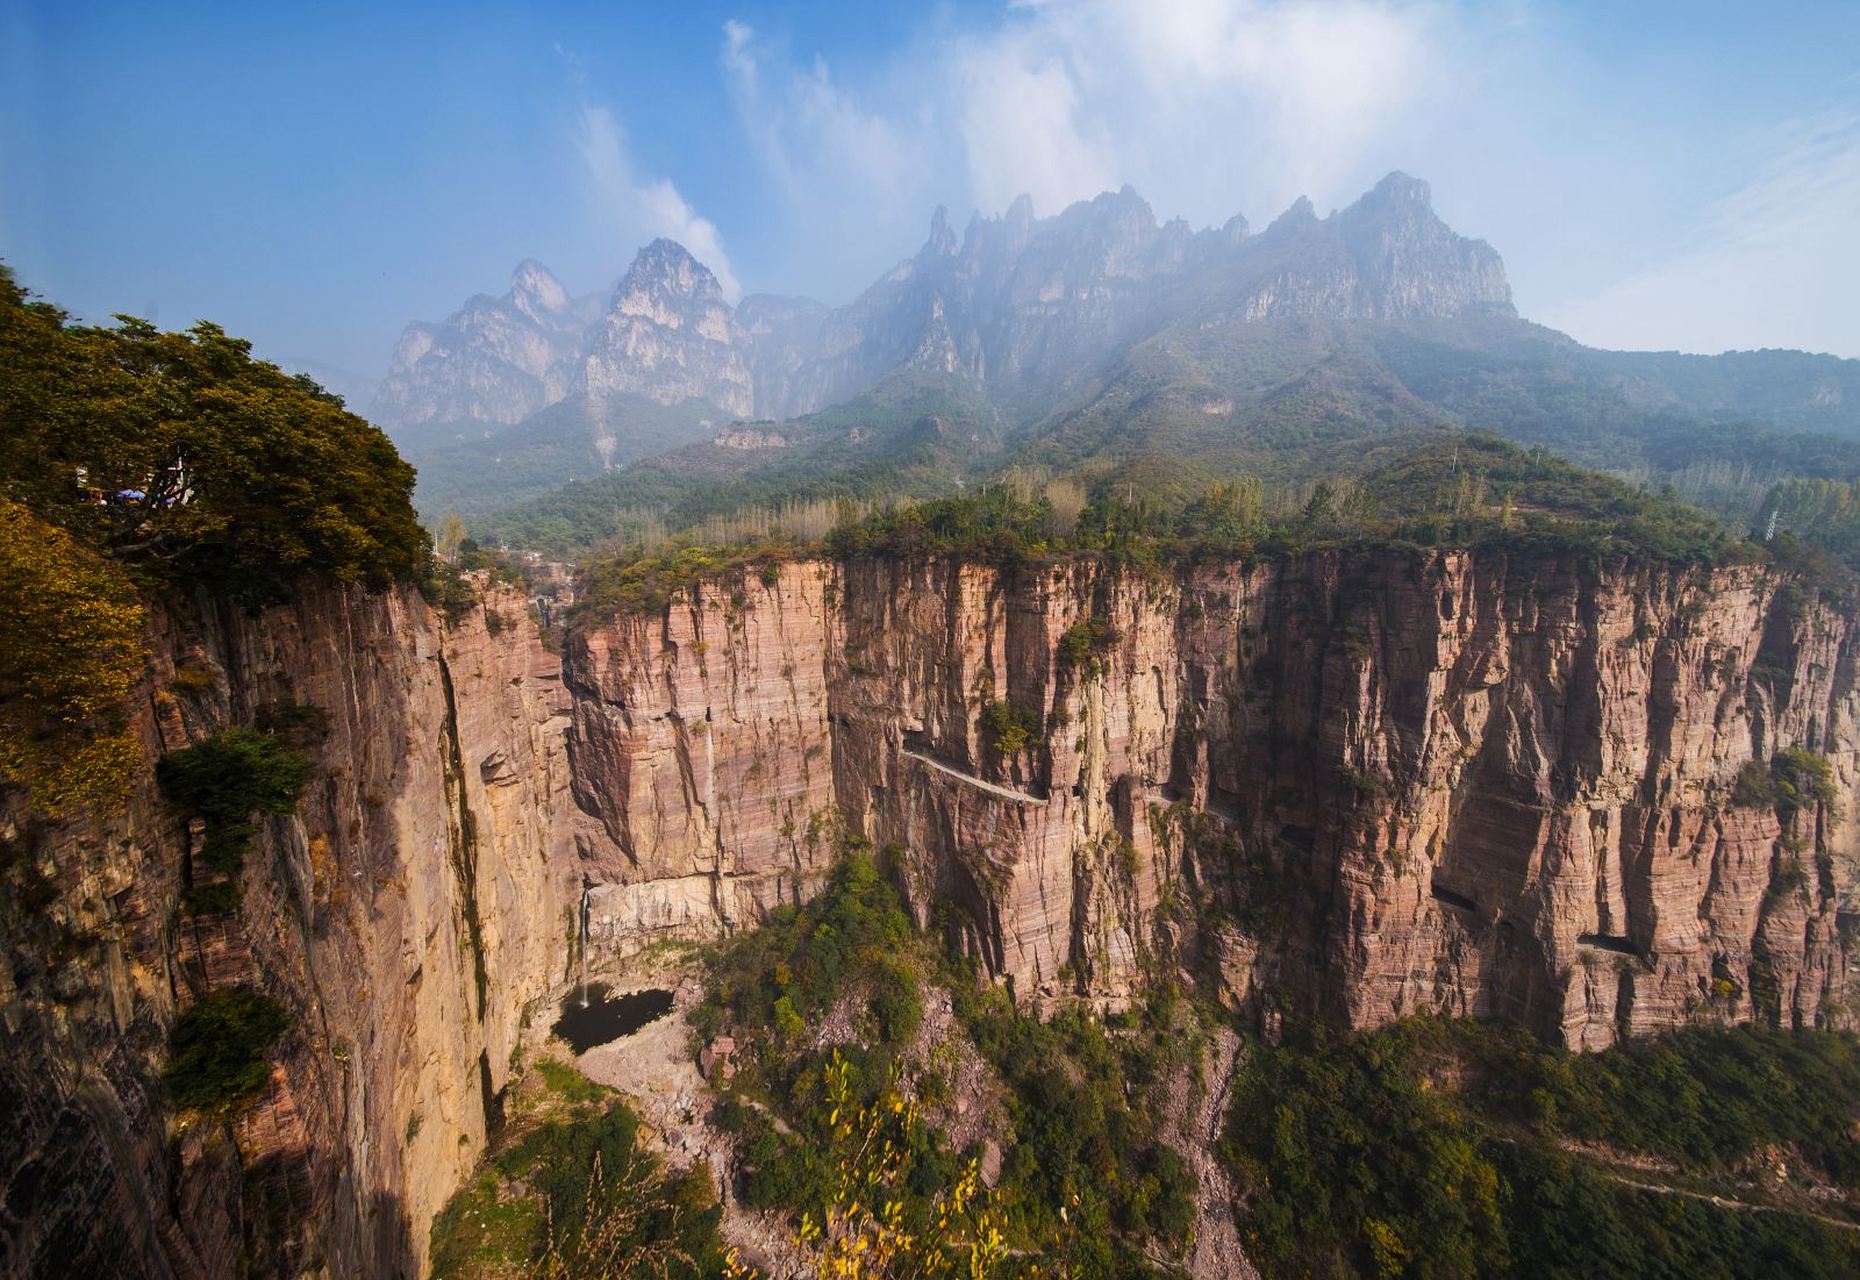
(1085,640)
(1803,780)
(447,589)
(217,1050)
(1364,783)
(227,779)
(1011,727)
(212,899)
(1754,788)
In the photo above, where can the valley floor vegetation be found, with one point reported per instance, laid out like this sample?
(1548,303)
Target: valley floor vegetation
(570,1192)
(901,1117)
(1457,1148)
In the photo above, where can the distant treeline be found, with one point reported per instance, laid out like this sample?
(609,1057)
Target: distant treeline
(1467,491)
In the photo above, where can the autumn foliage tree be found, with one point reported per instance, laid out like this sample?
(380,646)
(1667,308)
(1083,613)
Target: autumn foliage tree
(138,461)
(70,649)
(872,1226)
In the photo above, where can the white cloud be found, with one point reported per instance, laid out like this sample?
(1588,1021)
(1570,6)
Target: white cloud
(1024,127)
(851,175)
(1201,104)
(641,209)
(1772,264)
(1205,106)
(1576,166)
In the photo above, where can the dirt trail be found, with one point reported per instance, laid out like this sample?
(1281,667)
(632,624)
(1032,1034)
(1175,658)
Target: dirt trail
(1724,1202)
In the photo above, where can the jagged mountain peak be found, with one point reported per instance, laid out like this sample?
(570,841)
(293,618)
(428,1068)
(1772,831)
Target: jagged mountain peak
(669,337)
(1017,307)
(535,291)
(1123,208)
(942,241)
(1399,190)
(667,269)
(1301,213)
(1417,264)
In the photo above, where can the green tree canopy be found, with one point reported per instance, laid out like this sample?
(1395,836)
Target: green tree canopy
(188,460)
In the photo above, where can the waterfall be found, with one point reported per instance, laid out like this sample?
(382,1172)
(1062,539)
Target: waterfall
(584,942)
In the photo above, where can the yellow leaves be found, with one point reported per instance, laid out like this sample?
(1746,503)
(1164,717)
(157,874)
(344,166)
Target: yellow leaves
(870,1226)
(71,648)
(1386,1247)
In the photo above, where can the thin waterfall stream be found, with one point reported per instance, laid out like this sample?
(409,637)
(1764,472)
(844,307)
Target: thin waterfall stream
(583,948)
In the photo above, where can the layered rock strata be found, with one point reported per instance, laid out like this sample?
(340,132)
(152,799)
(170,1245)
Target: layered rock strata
(1349,786)
(406,914)
(1355,786)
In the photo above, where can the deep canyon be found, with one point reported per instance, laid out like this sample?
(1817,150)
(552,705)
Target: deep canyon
(1347,785)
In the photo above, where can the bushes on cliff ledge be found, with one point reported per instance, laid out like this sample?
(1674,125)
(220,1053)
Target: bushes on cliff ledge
(227,779)
(217,1053)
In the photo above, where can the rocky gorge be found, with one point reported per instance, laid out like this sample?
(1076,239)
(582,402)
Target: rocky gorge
(1343,785)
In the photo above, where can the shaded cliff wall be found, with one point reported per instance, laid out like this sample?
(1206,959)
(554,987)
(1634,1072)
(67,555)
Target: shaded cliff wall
(1353,786)
(416,901)
(1346,785)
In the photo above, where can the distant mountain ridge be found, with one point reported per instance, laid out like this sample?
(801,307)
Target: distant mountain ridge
(1015,300)
(1033,316)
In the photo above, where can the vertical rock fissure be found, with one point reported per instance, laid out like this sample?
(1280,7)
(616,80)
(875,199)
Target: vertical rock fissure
(463,837)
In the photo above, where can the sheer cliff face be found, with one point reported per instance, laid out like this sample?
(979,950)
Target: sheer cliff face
(1344,786)
(1354,787)
(417,899)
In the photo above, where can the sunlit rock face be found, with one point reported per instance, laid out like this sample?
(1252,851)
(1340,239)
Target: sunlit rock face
(495,360)
(1347,786)
(408,914)
(670,336)
(1354,786)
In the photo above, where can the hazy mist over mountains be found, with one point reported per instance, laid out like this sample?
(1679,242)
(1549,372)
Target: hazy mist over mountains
(514,394)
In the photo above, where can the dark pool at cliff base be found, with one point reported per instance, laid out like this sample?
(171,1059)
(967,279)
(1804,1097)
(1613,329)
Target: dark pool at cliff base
(592,1016)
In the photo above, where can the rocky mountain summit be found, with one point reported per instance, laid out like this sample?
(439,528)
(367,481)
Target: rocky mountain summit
(1024,306)
(668,335)
(1017,308)
(495,360)
(1015,303)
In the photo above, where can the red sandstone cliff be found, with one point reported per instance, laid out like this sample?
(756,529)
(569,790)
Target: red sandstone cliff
(1354,786)
(1349,785)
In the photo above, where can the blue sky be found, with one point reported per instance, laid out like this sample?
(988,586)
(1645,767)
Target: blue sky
(313,176)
